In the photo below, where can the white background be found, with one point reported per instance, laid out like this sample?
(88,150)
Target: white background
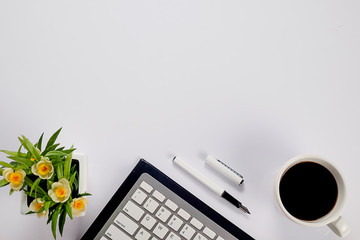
(254,83)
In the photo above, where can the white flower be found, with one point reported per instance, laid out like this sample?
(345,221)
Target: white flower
(44,169)
(60,191)
(36,205)
(78,206)
(16,179)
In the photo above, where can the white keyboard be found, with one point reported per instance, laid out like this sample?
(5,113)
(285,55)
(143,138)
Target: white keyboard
(150,215)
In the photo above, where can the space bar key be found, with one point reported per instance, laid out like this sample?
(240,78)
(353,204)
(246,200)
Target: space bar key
(115,233)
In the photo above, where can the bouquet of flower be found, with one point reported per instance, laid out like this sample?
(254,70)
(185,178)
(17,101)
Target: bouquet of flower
(48,177)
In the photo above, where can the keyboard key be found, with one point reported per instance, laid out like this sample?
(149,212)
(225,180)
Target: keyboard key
(142,235)
(175,223)
(148,221)
(184,214)
(187,232)
(173,236)
(126,223)
(139,196)
(103,238)
(154,238)
(196,223)
(219,238)
(133,210)
(159,196)
(160,230)
(200,237)
(208,232)
(151,205)
(144,185)
(116,234)
(163,214)
(170,204)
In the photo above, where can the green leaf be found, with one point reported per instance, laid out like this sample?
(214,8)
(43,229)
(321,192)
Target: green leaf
(21,167)
(38,189)
(3,182)
(28,181)
(49,218)
(11,192)
(72,179)
(40,141)
(47,205)
(5,164)
(41,191)
(59,171)
(19,150)
(54,220)
(49,183)
(76,183)
(30,147)
(34,186)
(67,166)
(22,160)
(68,210)
(62,219)
(23,187)
(38,194)
(51,212)
(1,171)
(73,168)
(29,212)
(55,153)
(68,151)
(53,139)
(56,161)
(14,154)
(84,194)
(51,148)
(30,195)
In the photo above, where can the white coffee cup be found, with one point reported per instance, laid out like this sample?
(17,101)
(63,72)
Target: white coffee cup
(332,219)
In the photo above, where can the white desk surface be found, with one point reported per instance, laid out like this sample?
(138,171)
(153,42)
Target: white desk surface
(253,83)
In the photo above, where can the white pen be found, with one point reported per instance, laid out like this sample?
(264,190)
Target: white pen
(225,170)
(209,184)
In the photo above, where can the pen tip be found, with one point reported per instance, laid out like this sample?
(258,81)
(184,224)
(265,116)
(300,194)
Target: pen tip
(245,209)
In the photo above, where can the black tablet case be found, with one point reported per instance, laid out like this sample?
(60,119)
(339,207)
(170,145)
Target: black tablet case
(145,167)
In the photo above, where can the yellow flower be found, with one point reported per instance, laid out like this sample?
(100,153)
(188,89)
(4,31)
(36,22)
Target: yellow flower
(16,179)
(78,206)
(36,205)
(44,169)
(60,191)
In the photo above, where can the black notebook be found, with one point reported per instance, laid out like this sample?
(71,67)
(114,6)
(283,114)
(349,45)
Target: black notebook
(151,206)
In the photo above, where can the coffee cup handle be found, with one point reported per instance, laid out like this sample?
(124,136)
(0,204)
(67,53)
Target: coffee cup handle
(339,227)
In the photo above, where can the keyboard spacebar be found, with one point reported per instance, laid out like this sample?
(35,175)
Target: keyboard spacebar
(116,234)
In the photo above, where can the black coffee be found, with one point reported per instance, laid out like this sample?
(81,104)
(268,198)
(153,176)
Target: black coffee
(308,191)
